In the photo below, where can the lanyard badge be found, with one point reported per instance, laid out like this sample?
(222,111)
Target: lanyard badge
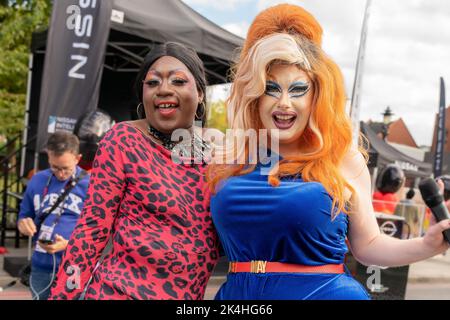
(46,232)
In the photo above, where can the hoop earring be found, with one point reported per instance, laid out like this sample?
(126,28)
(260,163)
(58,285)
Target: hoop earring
(138,111)
(201,106)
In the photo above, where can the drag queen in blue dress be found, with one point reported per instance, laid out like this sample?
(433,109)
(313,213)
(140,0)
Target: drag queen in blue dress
(286,225)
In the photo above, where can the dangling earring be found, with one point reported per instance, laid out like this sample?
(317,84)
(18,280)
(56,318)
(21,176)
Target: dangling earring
(200,106)
(138,111)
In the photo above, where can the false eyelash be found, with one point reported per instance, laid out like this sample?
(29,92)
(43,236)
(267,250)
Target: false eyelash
(180,81)
(272,88)
(151,82)
(299,89)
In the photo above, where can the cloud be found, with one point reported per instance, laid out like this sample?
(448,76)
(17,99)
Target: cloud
(408,99)
(338,16)
(425,21)
(239,28)
(341,22)
(408,49)
(228,5)
(263,4)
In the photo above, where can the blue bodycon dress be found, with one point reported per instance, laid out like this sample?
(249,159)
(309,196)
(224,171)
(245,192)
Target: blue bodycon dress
(290,223)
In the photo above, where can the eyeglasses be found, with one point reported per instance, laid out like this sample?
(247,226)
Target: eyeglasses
(56,169)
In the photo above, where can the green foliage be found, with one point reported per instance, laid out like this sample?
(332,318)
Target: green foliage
(217,117)
(18,20)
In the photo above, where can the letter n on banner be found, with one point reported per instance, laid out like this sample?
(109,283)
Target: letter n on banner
(74,56)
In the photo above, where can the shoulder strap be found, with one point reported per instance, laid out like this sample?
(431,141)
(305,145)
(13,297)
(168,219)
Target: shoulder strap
(63,195)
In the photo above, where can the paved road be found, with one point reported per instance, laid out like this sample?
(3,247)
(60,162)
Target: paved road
(419,288)
(428,291)
(414,290)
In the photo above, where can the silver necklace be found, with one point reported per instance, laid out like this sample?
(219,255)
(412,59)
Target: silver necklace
(195,148)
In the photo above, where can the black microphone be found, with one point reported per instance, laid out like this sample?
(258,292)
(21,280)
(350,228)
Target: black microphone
(435,201)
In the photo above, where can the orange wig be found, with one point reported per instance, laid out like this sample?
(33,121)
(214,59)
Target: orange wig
(283,18)
(328,133)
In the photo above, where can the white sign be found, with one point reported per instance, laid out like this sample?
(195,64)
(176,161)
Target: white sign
(117,16)
(407,166)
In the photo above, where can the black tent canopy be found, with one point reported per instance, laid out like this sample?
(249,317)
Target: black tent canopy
(136,25)
(387,154)
(173,20)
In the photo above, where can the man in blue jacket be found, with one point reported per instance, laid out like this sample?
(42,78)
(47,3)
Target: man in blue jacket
(51,226)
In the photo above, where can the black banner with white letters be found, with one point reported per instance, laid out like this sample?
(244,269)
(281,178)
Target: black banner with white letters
(74,56)
(440,143)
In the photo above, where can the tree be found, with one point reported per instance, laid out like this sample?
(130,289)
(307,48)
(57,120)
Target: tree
(217,116)
(18,20)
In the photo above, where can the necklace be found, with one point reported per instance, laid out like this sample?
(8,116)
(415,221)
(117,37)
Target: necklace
(195,148)
(164,138)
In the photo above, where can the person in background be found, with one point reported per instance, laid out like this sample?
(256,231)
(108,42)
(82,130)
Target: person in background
(90,129)
(444,183)
(408,209)
(389,181)
(51,226)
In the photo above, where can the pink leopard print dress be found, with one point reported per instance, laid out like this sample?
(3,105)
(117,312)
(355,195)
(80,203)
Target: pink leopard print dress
(157,213)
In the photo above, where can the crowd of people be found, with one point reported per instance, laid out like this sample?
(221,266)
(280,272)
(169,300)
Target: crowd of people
(143,226)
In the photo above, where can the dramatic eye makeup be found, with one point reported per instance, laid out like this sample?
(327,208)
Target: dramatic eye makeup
(152,79)
(273,89)
(152,82)
(177,78)
(296,89)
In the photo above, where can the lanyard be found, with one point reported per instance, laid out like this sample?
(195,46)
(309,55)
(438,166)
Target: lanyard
(46,189)
(45,192)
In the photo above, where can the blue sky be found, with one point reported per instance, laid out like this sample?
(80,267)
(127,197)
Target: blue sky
(221,15)
(408,49)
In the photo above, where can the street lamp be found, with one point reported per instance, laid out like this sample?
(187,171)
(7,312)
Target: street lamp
(387,115)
